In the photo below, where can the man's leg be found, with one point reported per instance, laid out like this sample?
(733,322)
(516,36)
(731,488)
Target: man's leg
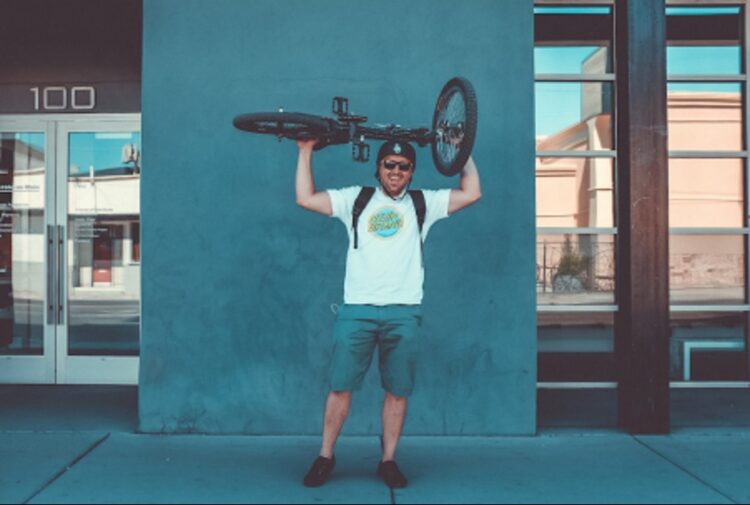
(337,410)
(354,343)
(394,414)
(399,347)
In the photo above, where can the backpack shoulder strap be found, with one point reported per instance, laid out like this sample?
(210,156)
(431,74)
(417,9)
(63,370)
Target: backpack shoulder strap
(363,198)
(417,197)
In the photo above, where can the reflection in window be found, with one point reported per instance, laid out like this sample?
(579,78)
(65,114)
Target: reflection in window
(707,269)
(575,269)
(704,60)
(104,154)
(708,346)
(576,347)
(24,152)
(575,192)
(573,116)
(705,116)
(22,243)
(572,60)
(135,233)
(103,212)
(706,192)
(702,11)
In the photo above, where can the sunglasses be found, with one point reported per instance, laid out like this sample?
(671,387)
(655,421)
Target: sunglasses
(390,165)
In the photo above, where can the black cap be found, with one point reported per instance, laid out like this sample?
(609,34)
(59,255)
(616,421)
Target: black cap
(401,148)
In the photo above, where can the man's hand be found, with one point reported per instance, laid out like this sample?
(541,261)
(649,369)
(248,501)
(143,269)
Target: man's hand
(306,145)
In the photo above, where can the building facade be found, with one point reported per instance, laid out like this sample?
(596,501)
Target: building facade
(145,241)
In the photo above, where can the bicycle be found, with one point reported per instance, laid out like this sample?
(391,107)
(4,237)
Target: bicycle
(454,126)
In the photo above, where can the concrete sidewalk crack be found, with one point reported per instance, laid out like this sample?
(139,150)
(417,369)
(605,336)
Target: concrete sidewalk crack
(680,467)
(67,467)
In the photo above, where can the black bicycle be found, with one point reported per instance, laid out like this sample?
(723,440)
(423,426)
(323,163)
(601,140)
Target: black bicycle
(454,127)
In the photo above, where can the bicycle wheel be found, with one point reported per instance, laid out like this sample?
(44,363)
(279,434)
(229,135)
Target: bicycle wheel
(455,126)
(292,125)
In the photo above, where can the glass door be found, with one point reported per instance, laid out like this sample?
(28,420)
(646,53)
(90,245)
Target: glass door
(98,213)
(70,249)
(27,346)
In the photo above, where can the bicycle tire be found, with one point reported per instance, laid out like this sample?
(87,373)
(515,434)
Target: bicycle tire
(292,125)
(455,115)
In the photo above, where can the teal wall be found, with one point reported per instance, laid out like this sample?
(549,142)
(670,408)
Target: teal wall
(238,281)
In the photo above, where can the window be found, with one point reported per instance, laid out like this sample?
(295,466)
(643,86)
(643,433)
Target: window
(576,199)
(706,98)
(575,181)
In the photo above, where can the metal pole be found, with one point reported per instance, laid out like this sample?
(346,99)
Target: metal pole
(642,322)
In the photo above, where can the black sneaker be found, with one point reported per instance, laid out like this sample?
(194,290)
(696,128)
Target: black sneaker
(320,471)
(391,475)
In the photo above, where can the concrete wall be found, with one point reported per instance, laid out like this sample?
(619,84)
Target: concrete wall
(238,282)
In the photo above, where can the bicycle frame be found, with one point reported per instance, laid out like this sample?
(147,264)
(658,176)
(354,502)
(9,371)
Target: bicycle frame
(347,128)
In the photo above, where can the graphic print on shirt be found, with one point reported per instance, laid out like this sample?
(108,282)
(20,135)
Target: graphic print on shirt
(385,222)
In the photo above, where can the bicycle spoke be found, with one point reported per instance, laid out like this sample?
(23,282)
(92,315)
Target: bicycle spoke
(452,117)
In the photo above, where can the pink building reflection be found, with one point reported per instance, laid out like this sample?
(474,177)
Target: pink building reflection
(703,193)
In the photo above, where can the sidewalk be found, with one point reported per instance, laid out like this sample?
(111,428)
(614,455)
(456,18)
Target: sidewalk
(77,444)
(689,466)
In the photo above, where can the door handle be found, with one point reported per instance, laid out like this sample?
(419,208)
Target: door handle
(60,274)
(51,265)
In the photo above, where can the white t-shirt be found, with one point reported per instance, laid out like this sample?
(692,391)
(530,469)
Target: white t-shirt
(386,268)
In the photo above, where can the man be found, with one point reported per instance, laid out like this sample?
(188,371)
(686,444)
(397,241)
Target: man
(382,291)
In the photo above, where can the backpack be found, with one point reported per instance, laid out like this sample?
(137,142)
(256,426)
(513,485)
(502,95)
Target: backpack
(365,194)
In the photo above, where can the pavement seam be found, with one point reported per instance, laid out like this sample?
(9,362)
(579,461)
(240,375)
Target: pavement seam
(680,467)
(67,467)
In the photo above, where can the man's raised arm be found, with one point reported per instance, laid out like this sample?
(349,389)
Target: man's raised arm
(305,185)
(470,190)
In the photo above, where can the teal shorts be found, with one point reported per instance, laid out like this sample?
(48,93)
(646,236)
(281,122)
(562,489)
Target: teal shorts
(393,329)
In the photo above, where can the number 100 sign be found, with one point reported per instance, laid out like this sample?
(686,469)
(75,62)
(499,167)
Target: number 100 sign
(62,98)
